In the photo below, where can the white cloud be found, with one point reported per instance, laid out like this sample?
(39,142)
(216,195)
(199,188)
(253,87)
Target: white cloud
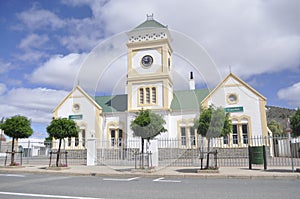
(2,88)
(36,19)
(33,41)
(251,37)
(5,66)
(37,104)
(33,46)
(290,94)
(58,71)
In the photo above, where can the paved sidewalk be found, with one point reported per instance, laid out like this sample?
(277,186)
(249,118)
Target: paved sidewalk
(173,172)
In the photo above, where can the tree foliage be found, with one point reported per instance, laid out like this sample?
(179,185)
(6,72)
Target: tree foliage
(275,127)
(61,128)
(213,122)
(16,127)
(147,124)
(295,123)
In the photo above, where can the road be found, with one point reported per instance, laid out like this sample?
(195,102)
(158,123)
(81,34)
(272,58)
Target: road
(24,186)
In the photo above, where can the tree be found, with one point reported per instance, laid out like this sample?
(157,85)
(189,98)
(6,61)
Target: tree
(295,123)
(48,141)
(147,125)
(213,122)
(275,127)
(16,127)
(61,128)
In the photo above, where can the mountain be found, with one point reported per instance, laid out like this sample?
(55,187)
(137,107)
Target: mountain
(279,114)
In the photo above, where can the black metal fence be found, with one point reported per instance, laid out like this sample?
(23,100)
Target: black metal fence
(281,151)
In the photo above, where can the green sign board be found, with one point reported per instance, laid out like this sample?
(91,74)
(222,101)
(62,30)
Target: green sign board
(75,117)
(234,109)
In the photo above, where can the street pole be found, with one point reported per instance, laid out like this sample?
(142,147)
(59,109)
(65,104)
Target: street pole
(288,130)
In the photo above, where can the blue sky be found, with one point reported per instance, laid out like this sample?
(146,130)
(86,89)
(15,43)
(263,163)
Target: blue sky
(43,44)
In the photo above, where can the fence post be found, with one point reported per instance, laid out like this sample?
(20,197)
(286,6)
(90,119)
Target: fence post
(265,157)
(91,152)
(250,157)
(216,159)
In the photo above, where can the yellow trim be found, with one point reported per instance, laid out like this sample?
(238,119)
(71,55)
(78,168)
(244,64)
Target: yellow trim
(116,126)
(232,102)
(186,124)
(222,84)
(162,74)
(240,133)
(70,95)
(144,103)
(74,108)
(262,107)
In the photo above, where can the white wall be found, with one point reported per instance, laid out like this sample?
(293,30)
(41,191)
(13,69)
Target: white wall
(246,99)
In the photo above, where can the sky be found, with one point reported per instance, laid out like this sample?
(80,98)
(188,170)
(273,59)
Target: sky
(46,45)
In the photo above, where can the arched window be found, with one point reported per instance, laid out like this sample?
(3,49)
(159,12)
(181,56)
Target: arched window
(147,96)
(141,95)
(187,134)
(153,94)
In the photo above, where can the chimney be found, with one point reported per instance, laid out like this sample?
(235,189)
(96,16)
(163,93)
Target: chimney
(192,82)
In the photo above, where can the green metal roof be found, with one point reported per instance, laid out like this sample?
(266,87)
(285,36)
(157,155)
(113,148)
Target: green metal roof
(150,24)
(188,99)
(182,100)
(116,103)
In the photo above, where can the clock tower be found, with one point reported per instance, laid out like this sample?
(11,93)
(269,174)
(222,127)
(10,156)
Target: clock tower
(149,82)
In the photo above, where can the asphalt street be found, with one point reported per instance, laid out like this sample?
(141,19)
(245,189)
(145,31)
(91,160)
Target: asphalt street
(23,186)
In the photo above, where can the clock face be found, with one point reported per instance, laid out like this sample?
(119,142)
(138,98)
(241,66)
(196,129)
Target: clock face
(147,61)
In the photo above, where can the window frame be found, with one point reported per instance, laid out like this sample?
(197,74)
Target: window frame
(147,96)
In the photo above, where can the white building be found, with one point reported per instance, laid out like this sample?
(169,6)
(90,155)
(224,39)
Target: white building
(32,147)
(150,86)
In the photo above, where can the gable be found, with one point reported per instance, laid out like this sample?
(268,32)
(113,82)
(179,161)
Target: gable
(75,93)
(232,81)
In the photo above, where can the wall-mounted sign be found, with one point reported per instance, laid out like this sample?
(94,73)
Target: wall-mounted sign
(75,117)
(234,109)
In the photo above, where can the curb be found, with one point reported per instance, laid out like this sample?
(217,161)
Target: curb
(151,174)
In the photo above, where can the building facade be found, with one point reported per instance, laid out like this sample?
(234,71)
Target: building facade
(150,86)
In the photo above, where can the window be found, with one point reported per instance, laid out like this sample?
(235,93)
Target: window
(232,98)
(112,137)
(83,137)
(76,107)
(183,136)
(226,139)
(76,141)
(153,92)
(116,137)
(235,134)
(141,96)
(120,137)
(245,133)
(147,95)
(192,136)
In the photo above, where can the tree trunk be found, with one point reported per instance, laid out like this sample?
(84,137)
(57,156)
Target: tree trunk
(208,150)
(58,153)
(12,152)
